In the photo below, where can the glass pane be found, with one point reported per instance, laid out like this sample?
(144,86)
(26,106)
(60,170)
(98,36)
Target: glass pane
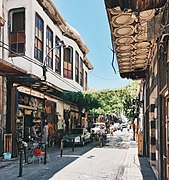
(65,73)
(35,53)
(36,31)
(21,48)
(36,42)
(50,44)
(40,35)
(41,25)
(40,45)
(65,65)
(37,21)
(41,56)
(70,74)
(18,21)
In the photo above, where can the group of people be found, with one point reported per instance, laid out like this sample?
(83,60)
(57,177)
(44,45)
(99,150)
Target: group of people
(45,132)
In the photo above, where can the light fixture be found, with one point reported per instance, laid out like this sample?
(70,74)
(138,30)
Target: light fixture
(58,44)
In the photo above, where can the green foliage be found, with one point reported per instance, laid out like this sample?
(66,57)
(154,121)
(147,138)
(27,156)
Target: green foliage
(82,99)
(108,101)
(119,100)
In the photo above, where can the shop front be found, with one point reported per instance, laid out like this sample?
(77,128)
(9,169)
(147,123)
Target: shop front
(30,112)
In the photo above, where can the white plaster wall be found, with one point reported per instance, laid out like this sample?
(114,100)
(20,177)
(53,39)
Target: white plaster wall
(32,7)
(3,29)
(1,8)
(59,107)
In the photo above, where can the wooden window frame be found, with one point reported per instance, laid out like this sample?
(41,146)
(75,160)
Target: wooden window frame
(16,35)
(86,79)
(49,46)
(77,67)
(39,32)
(81,72)
(57,56)
(68,63)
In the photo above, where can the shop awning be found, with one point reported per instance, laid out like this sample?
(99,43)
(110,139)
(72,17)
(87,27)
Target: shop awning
(130,34)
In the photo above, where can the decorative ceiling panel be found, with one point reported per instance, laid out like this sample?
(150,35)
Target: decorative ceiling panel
(129,30)
(135,5)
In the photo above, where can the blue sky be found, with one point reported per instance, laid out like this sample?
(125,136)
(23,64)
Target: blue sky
(89,18)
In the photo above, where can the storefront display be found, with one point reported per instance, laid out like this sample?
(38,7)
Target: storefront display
(30,112)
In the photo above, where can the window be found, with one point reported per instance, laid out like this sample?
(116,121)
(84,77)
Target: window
(38,50)
(49,46)
(17,31)
(57,56)
(81,72)
(86,79)
(77,67)
(68,62)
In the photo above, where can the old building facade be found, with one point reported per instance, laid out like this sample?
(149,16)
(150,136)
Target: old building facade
(140,34)
(41,56)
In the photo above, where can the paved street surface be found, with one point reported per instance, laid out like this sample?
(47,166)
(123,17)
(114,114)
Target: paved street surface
(118,160)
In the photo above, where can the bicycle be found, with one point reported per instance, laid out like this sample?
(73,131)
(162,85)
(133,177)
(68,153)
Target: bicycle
(35,149)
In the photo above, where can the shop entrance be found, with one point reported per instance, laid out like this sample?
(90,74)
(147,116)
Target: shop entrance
(30,112)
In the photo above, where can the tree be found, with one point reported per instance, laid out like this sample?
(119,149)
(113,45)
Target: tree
(84,100)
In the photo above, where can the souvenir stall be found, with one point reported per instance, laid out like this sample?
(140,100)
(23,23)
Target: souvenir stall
(30,112)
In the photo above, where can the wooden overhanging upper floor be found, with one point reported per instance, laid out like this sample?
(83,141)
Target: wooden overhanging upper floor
(134,25)
(51,10)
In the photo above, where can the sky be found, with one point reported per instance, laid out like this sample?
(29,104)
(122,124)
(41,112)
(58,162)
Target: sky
(89,18)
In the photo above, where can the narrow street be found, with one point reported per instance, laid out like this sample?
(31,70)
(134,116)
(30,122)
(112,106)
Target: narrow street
(111,162)
(118,160)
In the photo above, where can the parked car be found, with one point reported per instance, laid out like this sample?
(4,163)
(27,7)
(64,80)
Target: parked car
(80,136)
(96,128)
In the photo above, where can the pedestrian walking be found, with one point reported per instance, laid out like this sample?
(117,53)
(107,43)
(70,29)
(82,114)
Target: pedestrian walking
(45,132)
(33,132)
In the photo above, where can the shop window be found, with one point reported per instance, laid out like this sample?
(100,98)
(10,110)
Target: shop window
(38,50)
(77,67)
(81,72)
(49,46)
(57,56)
(17,31)
(68,62)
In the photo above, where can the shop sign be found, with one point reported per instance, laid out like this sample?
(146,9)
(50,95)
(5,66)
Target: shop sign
(30,92)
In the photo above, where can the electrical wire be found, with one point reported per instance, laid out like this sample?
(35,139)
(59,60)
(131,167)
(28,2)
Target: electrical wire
(113,58)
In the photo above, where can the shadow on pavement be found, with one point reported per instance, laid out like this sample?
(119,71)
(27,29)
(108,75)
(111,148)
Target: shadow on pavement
(146,170)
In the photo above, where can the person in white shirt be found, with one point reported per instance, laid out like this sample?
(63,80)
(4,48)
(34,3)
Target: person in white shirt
(45,132)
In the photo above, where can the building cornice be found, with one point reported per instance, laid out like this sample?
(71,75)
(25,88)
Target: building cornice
(51,10)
